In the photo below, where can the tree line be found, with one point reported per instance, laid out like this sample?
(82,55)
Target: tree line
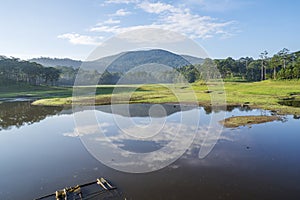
(284,65)
(14,70)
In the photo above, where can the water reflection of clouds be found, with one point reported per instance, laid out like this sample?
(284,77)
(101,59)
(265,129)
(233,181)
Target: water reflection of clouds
(205,139)
(148,146)
(112,149)
(88,130)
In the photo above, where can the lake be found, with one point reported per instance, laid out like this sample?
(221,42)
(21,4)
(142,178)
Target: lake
(40,153)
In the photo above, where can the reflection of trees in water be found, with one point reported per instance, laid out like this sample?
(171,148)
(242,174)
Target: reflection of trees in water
(296,117)
(142,110)
(21,113)
(228,108)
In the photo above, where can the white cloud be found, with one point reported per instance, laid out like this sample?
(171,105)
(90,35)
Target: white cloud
(173,18)
(150,35)
(106,29)
(112,21)
(194,26)
(76,38)
(166,16)
(121,12)
(156,7)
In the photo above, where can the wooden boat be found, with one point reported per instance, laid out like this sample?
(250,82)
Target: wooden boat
(95,190)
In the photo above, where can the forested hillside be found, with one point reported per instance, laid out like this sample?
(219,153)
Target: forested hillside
(14,71)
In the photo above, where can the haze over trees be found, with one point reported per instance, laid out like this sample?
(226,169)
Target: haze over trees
(53,62)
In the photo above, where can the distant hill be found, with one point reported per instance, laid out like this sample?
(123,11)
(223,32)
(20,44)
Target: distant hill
(193,60)
(125,61)
(53,62)
(132,59)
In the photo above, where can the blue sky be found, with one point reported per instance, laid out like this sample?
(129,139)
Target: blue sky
(74,28)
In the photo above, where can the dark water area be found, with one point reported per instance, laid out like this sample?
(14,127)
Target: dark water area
(40,153)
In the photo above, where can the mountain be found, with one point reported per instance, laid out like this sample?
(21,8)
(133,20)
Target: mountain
(125,61)
(53,62)
(193,60)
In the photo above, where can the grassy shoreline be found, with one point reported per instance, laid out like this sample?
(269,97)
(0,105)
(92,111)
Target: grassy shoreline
(237,121)
(264,95)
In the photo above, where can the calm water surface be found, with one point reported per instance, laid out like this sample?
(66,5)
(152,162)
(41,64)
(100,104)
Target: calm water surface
(39,154)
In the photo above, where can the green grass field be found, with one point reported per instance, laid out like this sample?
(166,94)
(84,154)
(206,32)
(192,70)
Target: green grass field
(265,95)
